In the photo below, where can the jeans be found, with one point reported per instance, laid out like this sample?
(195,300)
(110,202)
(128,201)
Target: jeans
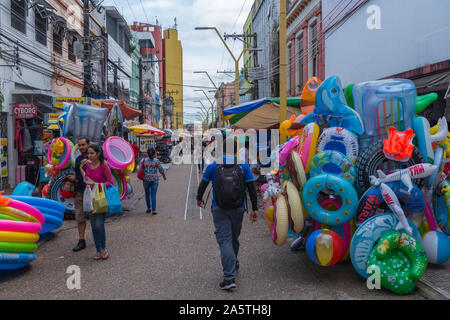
(98,230)
(151,187)
(228,225)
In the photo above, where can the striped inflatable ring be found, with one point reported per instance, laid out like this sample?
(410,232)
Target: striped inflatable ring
(280,225)
(308,144)
(333,162)
(339,139)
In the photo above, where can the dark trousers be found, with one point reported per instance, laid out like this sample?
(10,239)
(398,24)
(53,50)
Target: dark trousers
(98,230)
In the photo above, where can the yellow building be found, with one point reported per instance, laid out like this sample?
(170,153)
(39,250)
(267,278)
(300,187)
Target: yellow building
(173,74)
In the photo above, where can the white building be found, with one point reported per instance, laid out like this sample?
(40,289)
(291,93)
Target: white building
(26,70)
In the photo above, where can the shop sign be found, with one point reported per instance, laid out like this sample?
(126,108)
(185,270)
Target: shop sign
(3,166)
(58,101)
(144,142)
(53,117)
(25,111)
(96,103)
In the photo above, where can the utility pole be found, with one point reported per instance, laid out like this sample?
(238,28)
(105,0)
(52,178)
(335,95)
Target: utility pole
(283,75)
(141,92)
(87,89)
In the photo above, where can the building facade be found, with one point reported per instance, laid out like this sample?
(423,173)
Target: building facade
(135,73)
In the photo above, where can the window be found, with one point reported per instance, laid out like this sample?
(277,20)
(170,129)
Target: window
(300,53)
(71,49)
(314,48)
(288,73)
(18,15)
(41,28)
(57,39)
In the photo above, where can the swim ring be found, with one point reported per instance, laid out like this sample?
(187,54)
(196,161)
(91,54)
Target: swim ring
(17,247)
(118,152)
(280,225)
(12,261)
(339,139)
(20,226)
(332,162)
(24,237)
(295,208)
(296,170)
(21,206)
(120,183)
(58,153)
(308,144)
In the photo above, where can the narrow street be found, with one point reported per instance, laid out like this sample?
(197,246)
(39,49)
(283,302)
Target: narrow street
(174,255)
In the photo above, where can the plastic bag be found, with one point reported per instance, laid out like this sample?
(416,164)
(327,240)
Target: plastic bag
(99,203)
(113,198)
(88,197)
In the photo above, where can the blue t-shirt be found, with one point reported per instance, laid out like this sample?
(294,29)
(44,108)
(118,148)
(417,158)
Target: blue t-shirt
(210,174)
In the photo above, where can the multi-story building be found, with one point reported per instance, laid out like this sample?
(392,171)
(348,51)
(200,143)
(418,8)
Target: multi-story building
(248,86)
(135,73)
(378,39)
(305,44)
(173,74)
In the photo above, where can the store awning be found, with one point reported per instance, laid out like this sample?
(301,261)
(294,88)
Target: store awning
(435,82)
(128,112)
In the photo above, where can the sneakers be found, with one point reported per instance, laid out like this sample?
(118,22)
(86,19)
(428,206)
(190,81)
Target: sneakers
(80,246)
(227,285)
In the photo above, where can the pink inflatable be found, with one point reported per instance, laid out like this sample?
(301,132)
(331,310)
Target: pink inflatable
(27,209)
(287,149)
(65,156)
(118,152)
(20,226)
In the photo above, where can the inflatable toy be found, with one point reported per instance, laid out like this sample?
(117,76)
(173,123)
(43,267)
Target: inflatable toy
(20,226)
(332,162)
(308,96)
(85,121)
(424,101)
(130,169)
(331,108)
(69,187)
(325,247)
(17,247)
(23,207)
(285,128)
(348,93)
(437,247)
(384,103)
(438,162)
(295,207)
(118,152)
(297,124)
(130,191)
(367,235)
(443,216)
(340,188)
(58,154)
(287,149)
(398,146)
(114,122)
(56,185)
(12,261)
(401,261)
(425,139)
(372,159)
(339,139)
(445,143)
(24,189)
(74,155)
(15,214)
(280,223)
(273,189)
(269,216)
(296,170)
(41,203)
(120,183)
(51,223)
(392,201)
(308,144)
(431,221)
(24,237)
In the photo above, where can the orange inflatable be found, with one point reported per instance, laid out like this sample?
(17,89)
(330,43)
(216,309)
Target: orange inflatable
(398,146)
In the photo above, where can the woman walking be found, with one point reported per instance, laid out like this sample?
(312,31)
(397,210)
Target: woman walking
(98,171)
(151,165)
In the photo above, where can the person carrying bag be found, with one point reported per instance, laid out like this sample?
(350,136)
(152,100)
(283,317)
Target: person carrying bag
(100,203)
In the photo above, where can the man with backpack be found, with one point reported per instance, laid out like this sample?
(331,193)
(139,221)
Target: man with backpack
(230,181)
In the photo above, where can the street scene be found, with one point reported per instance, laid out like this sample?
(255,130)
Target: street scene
(193,150)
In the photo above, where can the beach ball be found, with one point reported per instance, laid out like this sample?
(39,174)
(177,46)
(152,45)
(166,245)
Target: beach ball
(325,247)
(437,247)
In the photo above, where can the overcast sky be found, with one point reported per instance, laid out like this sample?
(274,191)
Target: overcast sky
(202,50)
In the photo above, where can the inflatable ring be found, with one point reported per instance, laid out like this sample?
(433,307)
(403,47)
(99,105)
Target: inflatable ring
(24,207)
(65,156)
(287,149)
(444,221)
(17,247)
(296,170)
(401,259)
(339,139)
(120,183)
(372,159)
(20,226)
(56,184)
(295,207)
(118,152)
(7,217)
(308,144)
(442,211)
(280,225)
(11,236)
(341,188)
(51,223)
(438,162)
(367,235)
(332,162)
(129,169)
(10,261)
(18,215)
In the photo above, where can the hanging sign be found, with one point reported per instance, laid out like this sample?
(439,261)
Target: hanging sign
(25,111)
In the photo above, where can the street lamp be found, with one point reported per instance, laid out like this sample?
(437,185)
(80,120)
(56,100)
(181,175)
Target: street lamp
(218,90)
(205,112)
(212,104)
(236,61)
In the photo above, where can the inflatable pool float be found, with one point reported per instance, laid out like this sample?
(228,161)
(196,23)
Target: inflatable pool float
(74,155)
(339,187)
(308,144)
(18,247)
(15,214)
(296,170)
(401,261)
(339,139)
(425,139)
(19,226)
(120,183)
(438,161)
(398,146)
(118,153)
(130,169)
(367,235)
(58,154)
(437,247)
(287,149)
(21,206)
(85,121)
(24,189)
(295,207)
(51,223)
(56,185)
(41,203)
(280,225)
(325,247)
(23,237)
(12,261)
(332,162)
(425,101)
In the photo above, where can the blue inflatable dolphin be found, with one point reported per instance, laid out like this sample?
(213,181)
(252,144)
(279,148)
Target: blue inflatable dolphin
(331,108)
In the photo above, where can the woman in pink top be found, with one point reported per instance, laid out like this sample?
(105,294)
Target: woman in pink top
(98,171)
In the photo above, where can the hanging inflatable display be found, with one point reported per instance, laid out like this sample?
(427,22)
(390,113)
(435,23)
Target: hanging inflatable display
(333,162)
(339,139)
(85,121)
(308,144)
(118,152)
(58,154)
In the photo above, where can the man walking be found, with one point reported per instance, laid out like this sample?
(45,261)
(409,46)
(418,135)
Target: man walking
(230,181)
(80,215)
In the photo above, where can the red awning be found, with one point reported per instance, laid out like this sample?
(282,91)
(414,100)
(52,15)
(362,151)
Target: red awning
(128,112)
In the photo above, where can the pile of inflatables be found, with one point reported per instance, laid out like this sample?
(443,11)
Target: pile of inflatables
(362,177)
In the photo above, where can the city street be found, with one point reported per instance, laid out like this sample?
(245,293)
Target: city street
(174,255)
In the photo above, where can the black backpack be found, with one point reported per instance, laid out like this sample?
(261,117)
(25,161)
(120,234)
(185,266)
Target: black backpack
(230,186)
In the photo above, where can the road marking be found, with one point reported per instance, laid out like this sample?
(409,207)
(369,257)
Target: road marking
(187,195)
(198,183)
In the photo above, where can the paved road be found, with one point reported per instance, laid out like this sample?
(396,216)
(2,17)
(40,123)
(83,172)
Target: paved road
(173,255)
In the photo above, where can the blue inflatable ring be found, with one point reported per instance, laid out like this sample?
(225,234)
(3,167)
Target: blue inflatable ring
(333,162)
(341,188)
(12,261)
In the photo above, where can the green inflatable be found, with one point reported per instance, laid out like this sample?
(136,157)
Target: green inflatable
(424,101)
(348,93)
(402,261)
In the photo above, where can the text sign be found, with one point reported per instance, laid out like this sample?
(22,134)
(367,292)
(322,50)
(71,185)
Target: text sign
(25,111)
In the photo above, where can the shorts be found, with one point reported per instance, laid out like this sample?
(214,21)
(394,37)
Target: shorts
(80,215)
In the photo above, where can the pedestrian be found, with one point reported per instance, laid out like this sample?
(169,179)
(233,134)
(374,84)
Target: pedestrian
(80,216)
(151,165)
(98,171)
(201,166)
(230,181)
